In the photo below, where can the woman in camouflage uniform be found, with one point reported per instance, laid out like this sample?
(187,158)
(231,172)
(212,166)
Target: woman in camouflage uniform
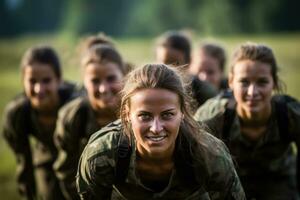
(156,150)
(103,72)
(32,115)
(258,127)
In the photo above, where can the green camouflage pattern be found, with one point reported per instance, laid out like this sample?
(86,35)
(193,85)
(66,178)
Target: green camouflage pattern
(76,122)
(267,168)
(96,173)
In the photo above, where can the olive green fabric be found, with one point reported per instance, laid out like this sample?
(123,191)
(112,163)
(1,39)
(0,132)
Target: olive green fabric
(76,122)
(96,173)
(267,168)
(32,142)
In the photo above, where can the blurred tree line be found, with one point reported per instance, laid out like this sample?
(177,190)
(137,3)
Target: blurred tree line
(144,17)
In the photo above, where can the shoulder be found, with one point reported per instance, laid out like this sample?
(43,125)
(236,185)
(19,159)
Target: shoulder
(202,89)
(68,91)
(104,142)
(222,177)
(16,106)
(98,160)
(71,109)
(211,108)
(286,103)
(214,148)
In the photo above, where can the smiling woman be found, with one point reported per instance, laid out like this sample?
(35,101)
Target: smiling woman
(158,147)
(103,72)
(33,115)
(257,126)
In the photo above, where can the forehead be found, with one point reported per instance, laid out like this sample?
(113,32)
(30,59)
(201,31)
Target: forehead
(247,68)
(38,70)
(102,69)
(154,99)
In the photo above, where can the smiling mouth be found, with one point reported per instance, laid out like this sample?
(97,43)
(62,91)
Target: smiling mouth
(156,138)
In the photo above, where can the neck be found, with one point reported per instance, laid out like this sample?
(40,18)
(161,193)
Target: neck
(258,119)
(155,158)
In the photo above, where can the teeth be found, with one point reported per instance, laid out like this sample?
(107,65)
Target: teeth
(156,138)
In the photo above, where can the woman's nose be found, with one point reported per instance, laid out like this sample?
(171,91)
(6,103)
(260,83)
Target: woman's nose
(252,90)
(156,126)
(103,87)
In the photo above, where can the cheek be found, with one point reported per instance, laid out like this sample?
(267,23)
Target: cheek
(137,128)
(116,87)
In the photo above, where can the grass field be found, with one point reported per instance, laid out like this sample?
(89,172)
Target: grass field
(137,51)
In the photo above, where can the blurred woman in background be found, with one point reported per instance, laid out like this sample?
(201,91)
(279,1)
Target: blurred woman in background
(103,71)
(257,126)
(32,117)
(174,48)
(208,64)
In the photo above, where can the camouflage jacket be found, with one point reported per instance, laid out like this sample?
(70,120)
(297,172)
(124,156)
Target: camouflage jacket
(31,141)
(267,167)
(96,173)
(76,122)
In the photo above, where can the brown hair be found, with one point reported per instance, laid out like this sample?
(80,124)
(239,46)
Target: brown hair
(92,40)
(163,77)
(261,53)
(101,54)
(42,54)
(215,51)
(176,40)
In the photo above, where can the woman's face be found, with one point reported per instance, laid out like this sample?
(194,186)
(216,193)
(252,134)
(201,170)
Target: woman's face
(41,86)
(252,85)
(103,82)
(155,117)
(207,68)
(168,55)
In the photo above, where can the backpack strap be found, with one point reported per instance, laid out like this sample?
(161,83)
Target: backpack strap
(229,115)
(27,124)
(281,112)
(124,152)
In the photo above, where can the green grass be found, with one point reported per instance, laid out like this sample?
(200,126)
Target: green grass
(137,51)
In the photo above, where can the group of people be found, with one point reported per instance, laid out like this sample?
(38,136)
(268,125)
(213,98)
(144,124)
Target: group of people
(173,129)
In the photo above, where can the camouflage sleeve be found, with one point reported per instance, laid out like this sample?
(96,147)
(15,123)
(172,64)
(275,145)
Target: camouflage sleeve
(95,176)
(211,114)
(96,170)
(224,182)
(18,141)
(66,138)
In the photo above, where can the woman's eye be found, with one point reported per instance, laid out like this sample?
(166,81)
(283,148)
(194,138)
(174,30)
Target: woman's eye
(262,82)
(32,81)
(144,117)
(111,78)
(95,81)
(244,82)
(167,115)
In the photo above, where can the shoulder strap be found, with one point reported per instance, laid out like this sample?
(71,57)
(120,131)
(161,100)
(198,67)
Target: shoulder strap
(83,112)
(123,160)
(27,117)
(228,115)
(281,112)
